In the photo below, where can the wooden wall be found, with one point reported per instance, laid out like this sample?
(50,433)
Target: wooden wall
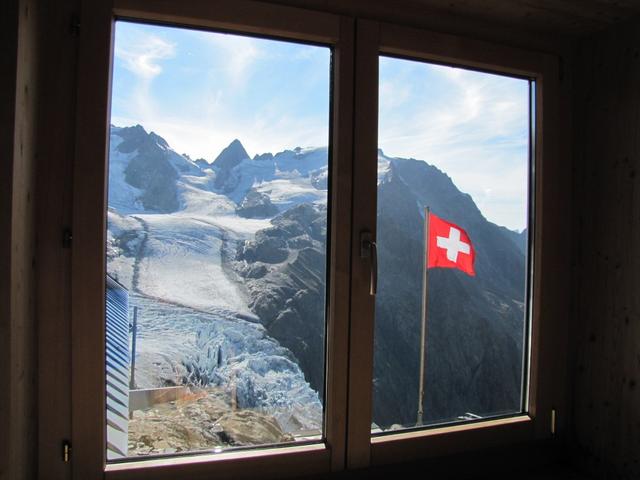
(606,328)
(9,42)
(18,100)
(455,18)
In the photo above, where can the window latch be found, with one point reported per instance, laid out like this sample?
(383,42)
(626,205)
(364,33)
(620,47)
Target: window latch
(368,249)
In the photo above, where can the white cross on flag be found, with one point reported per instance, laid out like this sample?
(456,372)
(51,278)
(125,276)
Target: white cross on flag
(449,246)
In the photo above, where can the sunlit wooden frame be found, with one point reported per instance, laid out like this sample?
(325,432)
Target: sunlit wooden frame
(550,266)
(89,220)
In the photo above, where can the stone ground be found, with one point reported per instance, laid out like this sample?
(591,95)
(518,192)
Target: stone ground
(206,420)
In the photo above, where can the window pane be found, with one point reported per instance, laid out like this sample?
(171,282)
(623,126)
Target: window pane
(216,241)
(455,141)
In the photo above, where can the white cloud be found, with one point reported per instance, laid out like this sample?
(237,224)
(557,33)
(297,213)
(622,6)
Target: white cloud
(206,139)
(239,54)
(393,94)
(142,55)
(473,126)
(227,99)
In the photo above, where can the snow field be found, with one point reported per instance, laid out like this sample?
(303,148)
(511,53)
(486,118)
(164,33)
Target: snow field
(194,323)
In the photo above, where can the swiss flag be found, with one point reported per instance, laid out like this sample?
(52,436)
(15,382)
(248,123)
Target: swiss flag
(449,246)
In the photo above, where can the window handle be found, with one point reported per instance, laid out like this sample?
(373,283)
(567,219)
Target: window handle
(368,249)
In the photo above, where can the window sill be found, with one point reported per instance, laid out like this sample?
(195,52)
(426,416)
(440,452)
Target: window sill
(433,442)
(307,459)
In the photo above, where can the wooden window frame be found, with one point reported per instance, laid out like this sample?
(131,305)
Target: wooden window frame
(357,45)
(89,220)
(548,313)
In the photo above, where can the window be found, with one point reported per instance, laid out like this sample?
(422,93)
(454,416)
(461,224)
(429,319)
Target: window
(341,190)
(469,132)
(222,257)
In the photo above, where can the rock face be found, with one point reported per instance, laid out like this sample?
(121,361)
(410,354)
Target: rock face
(229,158)
(256,205)
(203,423)
(475,339)
(153,168)
(519,238)
(475,324)
(284,268)
(202,163)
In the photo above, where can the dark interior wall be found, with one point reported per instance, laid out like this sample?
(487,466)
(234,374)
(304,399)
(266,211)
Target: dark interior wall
(8,44)
(606,416)
(18,83)
(454,19)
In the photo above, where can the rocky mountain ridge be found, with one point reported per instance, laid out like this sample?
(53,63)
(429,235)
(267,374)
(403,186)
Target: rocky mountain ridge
(476,325)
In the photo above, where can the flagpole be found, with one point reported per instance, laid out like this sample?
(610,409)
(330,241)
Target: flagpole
(425,304)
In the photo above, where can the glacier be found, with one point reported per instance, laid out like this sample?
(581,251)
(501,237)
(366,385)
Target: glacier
(195,326)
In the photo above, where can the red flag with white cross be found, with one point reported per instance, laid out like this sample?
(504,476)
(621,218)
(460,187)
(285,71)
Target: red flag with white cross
(449,246)
(446,246)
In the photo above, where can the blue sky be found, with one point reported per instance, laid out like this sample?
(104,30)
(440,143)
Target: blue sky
(472,125)
(200,90)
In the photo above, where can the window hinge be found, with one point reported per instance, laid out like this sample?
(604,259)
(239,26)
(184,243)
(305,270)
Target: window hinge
(74,25)
(66,451)
(67,238)
(553,422)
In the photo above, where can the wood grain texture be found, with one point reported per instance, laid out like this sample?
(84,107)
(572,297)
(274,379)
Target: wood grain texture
(552,266)
(340,272)
(607,260)
(89,210)
(54,182)
(365,171)
(275,463)
(551,206)
(245,15)
(571,17)
(478,19)
(543,22)
(456,50)
(449,440)
(88,409)
(17,273)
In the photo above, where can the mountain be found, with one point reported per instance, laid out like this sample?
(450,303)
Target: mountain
(284,270)
(256,205)
(475,324)
(202,163)
(288,178)
(244,239)
(229,158)
(144,171)
(519,238)
(475,340)
(194,317)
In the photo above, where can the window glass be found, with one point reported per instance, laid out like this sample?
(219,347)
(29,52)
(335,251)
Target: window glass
(454,147)
(216,241)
